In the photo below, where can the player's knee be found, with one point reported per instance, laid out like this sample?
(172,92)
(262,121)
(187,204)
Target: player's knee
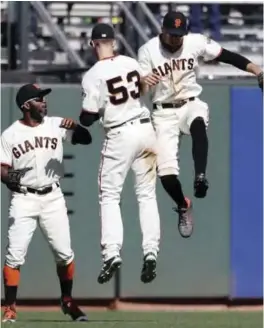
(109,196)
(167,179)
(15,257)
(147,192)
(168,171)
(63,259)
(14,262)
(198,125)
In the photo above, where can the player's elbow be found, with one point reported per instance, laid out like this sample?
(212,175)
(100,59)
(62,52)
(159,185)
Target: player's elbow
(81,136)
(87,119)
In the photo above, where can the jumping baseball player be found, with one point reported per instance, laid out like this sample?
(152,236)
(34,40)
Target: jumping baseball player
(31,167)
(111,92)
(177,109)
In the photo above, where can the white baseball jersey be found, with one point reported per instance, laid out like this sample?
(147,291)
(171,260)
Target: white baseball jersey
(112,89)
(178,70)
(39,147)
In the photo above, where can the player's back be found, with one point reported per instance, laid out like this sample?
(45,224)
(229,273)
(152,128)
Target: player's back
(118,79)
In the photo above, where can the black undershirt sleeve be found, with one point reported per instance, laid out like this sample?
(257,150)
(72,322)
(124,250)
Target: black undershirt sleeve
(234,59)
(87,118)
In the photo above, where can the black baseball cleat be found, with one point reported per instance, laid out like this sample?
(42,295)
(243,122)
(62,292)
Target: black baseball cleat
(185,223)
(108,269)
(200,186)
(69,307)
(148,272)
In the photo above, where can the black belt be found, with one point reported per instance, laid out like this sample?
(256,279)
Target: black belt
(43,191)
(174,105)
(141,121)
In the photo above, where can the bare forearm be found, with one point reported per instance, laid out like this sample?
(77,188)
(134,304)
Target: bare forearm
(144,88)
(148,81)
(254,69)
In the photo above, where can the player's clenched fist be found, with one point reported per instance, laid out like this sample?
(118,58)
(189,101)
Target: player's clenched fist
(151,79)
(68,123)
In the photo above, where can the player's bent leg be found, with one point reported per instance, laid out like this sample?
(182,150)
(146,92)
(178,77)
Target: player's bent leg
(168,140)
(172,185)
(197,123)
(200,154)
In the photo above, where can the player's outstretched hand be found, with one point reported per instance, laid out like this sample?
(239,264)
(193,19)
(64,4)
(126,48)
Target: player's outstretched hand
(151,79)
(260,80)
(68,123)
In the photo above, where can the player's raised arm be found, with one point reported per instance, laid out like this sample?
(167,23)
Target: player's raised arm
(213,50)
(148,78)
(79,135)
(242,63)
(144,60)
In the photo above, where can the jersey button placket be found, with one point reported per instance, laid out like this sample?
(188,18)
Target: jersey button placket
(38,174)
(173,83)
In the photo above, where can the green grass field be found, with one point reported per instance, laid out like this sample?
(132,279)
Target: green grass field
(119,319)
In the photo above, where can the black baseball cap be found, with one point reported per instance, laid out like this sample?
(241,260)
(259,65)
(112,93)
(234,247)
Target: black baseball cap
(175,23)
(28,92)
(102,31)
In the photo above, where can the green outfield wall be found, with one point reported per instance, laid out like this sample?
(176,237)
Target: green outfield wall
(198,266)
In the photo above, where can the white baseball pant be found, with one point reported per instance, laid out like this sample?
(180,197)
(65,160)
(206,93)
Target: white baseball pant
(129,146)
(50,212)
(170,124)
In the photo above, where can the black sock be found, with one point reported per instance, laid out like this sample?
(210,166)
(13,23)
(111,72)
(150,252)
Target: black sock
(66,288)
(173,187)
(199,145)
(10,295)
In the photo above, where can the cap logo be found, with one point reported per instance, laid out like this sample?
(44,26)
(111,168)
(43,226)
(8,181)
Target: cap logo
(103,35)
(36,86)
(177,22)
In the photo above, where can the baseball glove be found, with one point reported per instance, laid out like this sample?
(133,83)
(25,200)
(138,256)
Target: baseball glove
(14,177)
(260,80)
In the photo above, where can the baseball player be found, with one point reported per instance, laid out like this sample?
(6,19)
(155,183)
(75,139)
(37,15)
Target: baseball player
(31,167)
(177,109)
(111,92)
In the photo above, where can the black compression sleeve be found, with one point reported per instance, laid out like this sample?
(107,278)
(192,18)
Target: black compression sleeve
(87,118)
(234,59)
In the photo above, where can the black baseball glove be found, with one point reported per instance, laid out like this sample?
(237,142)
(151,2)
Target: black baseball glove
(260,80)
(14,177)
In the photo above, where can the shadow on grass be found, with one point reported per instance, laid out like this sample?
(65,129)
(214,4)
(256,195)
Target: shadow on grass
(91,321)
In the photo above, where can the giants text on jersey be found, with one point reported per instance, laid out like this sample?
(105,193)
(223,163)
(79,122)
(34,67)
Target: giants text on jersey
(39,147)
(178,70)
